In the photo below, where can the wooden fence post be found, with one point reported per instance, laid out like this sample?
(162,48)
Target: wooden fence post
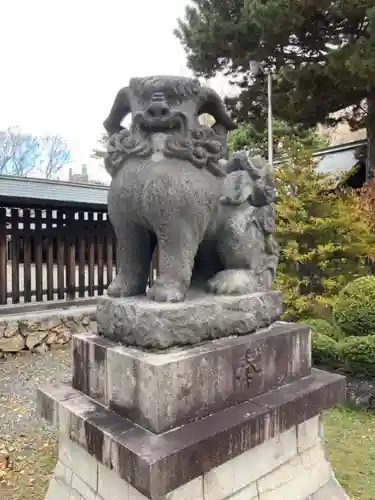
(91,254)
(81,255)
(15,255)
(100,235)
(71,256)
(60,242)
(49,254)
(38,241)
(27,288)
(3,257)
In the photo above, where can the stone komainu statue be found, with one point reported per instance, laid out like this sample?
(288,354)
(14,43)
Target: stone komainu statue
(172,185)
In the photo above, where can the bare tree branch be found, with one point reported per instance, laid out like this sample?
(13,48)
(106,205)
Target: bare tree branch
(56,155)
(22,154)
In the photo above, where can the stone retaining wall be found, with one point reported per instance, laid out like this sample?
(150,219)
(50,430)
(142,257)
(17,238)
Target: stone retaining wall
(39,331)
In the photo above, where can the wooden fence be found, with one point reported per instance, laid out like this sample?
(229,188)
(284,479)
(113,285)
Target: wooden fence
(48,254)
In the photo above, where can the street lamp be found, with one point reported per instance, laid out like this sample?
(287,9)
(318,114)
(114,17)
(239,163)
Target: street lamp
(256,69)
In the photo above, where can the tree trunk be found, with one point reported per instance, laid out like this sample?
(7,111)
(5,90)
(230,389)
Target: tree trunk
(370,164)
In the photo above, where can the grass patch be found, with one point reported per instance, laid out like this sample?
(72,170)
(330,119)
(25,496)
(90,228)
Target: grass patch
(349,436)
(350,440)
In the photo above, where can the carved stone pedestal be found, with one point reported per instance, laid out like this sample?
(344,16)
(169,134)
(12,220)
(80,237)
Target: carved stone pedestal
(140,322)
(236,418)
(161,391)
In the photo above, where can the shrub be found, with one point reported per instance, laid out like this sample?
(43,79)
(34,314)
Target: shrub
(358,355)
(322,326)
(354,310)
(324,235)
(324,349)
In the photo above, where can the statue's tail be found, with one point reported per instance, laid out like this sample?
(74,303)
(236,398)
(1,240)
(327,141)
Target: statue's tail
(248,179)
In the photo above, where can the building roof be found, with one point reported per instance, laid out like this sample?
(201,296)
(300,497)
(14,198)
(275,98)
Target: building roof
(338,159)
(334,159)
(21,191)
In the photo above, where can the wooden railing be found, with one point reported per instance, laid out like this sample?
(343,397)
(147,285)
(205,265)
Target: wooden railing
(48,254)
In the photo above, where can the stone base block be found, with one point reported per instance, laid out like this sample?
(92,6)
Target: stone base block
(267,448)
(291,466)
(144,323)
(160,391)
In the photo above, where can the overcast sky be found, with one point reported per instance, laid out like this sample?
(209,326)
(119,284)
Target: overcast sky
(62,61)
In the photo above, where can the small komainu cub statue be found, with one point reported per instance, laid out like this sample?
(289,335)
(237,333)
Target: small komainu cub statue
(212,218)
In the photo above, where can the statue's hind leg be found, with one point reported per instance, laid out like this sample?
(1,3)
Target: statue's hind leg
(135,245)
(249,256)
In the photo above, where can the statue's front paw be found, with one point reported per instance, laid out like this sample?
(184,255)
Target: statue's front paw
(115,289)
(122,287)
(166,291)
(233,282)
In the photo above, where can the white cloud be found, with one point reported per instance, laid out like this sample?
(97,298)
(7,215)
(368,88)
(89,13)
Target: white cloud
(63,61)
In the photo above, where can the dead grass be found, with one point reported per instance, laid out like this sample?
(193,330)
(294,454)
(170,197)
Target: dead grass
(30,463)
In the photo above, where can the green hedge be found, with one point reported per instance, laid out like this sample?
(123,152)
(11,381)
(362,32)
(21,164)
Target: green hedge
(324,349)
(358,355)
(354,311)
(322,326)
(354,355)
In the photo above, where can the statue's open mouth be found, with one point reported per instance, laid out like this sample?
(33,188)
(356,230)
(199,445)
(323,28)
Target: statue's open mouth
(173,121)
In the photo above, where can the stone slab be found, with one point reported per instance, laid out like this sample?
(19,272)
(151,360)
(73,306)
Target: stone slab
(141,322)
(90,366)
(330,491)
(278,472)
(163,390)
(158,464)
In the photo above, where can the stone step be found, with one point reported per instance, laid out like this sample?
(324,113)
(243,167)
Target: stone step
(165,389)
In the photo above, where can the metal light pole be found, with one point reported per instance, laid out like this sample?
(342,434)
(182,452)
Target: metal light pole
(255,70)
(270,118)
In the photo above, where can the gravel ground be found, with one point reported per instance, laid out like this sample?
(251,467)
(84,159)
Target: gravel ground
(27,442)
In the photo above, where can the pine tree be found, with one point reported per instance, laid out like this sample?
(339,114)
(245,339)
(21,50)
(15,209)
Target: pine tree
(245,136)
(322,53)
